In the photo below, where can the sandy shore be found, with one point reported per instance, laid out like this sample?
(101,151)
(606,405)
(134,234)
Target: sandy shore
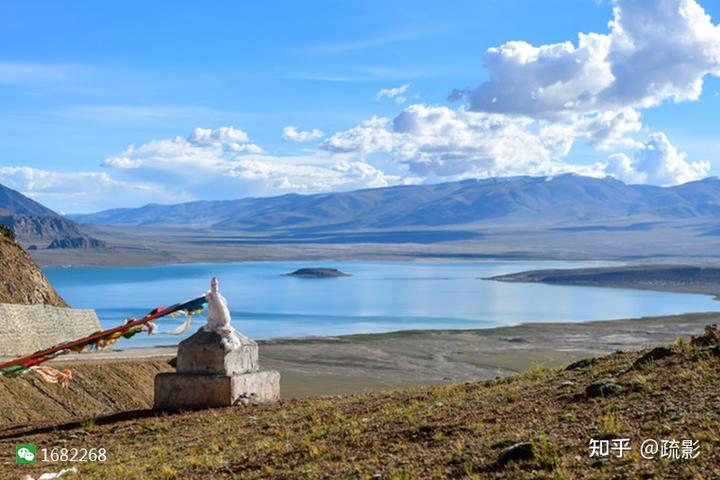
(356,363)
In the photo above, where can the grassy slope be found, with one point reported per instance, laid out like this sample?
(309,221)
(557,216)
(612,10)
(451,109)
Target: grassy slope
(431,432)
(96,388)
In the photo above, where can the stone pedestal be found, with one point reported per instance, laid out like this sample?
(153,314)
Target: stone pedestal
(209,376)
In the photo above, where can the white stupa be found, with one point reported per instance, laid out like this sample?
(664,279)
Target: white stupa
(217,366)
(218,318)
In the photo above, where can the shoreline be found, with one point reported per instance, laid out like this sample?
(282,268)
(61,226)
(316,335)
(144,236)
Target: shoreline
(371,362)
(652,277)
(379,361)
(366,258)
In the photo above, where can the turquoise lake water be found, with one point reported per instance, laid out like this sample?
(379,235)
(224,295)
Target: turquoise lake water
(378,297)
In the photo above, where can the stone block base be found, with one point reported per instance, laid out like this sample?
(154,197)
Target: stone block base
(204,353)
(194,390)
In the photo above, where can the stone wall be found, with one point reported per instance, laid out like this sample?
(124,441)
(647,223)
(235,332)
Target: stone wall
(25,329)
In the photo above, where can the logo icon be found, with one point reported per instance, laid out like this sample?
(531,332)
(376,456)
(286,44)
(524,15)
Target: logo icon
(25,453)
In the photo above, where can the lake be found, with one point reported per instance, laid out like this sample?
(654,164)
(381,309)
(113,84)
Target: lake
(378,297)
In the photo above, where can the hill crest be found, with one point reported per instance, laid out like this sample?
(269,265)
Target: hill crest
(506,200)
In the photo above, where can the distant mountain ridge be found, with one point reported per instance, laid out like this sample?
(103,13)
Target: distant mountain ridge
(36,225)
(510,199)
(14,202)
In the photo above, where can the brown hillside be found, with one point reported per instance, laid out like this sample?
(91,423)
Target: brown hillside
(21,281)
(535,425)
(97,388)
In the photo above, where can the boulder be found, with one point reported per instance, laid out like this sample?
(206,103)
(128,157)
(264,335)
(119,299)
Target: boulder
(517,452)
(602,388)
(654,354)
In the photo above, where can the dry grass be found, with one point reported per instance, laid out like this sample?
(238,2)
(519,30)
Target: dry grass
(97,387)
(454,431)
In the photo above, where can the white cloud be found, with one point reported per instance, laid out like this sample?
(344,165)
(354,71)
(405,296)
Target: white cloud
(369,136)
(122,162)
(245,148)
(274,173)
(208,164)
(218,136)
(211,164)
(655,50)
(292,134)
(397,93)
(441,142)
(537,103)
(79,191)
(609,129)
(657,162)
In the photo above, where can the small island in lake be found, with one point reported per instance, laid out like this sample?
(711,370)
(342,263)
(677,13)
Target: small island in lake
(317,273)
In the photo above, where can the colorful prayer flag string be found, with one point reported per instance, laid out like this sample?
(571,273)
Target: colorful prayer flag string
(97,341)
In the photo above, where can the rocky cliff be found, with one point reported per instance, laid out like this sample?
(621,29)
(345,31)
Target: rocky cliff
(21,281)
(36,226)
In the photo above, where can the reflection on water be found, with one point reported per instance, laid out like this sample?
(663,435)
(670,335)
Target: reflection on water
(378,297)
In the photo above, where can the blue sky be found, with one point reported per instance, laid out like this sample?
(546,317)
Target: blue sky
(82,82)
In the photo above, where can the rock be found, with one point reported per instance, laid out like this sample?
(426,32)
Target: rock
(503,443)
(517,452)
(514,339)
(580,364)
(317,273)
(709,338)
(22,281)
(76,242)
(654,354)
(602,388)
(40,229)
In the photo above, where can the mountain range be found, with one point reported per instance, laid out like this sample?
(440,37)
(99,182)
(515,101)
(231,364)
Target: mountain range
(512,201)
(36,226)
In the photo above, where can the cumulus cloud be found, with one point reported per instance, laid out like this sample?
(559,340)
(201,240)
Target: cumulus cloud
(397,93)
(657,162)
(441,142)
(275,173)
(609,129)
(369,136)
(655,50)
(292,134)
(213,164)
(207,164)
(537,103)
(230,138)
(209,136)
